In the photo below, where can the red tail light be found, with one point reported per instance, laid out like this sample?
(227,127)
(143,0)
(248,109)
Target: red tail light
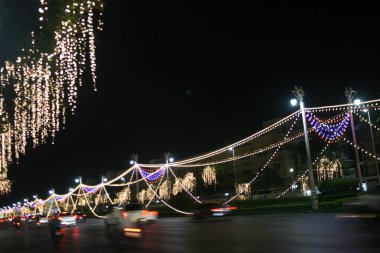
(125,214)
(232,208)
(217,210)
(155,213)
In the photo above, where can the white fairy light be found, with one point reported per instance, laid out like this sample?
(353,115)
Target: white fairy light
(209,175)
(46,83)
(243,188)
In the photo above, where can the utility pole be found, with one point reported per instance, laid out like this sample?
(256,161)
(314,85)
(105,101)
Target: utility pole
(299,94)
(350,93)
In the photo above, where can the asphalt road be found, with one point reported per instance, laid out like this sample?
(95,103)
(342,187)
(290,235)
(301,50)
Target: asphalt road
(255,233)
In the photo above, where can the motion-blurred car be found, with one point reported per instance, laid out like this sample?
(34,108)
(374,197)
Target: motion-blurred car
(137,213)
(118,222)
(80,217)
(67,219)
(204,211)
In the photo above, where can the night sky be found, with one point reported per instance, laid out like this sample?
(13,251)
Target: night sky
(187,77)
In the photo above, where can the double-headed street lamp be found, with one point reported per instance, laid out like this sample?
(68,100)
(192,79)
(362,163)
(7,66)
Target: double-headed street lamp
(299,94)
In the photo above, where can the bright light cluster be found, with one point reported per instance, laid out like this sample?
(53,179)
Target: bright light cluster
(45,84)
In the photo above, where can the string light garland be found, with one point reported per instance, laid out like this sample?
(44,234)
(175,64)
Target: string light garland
(85,191)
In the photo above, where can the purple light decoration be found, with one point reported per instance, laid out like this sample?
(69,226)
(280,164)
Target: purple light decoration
(92,189)
(152,176)
(328,131)
(62,197)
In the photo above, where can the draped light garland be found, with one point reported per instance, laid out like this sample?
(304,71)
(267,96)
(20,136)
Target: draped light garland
(48,203)
(45,84)
(329,130)
(209,175)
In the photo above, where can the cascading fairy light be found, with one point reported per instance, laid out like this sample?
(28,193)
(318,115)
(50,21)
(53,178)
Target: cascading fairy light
(209,175)
(164,190)
(244,188)
(189,182)
(327,169)
(44,83)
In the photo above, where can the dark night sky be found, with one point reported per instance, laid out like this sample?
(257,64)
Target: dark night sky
(188,77)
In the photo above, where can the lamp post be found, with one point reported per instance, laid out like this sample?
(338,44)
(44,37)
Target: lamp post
(134,163)
(350,93)
(291,170)
(299,93)
(233,155)
(373,145)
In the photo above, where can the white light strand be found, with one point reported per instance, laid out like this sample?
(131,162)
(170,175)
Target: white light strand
(304,173)
(266,164)
(361,149)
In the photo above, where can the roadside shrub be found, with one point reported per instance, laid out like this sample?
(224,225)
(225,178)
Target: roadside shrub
(337,186)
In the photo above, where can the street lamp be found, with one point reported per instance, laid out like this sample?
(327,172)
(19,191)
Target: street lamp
(78,180)
(350,93)
(35,196)
(168,159)
(104,179)
(51,192)
(373,145)
(233,155)
(123,179)
(291,170)
(299,93)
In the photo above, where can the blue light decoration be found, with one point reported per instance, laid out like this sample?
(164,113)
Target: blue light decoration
(152,175)
(329,130)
